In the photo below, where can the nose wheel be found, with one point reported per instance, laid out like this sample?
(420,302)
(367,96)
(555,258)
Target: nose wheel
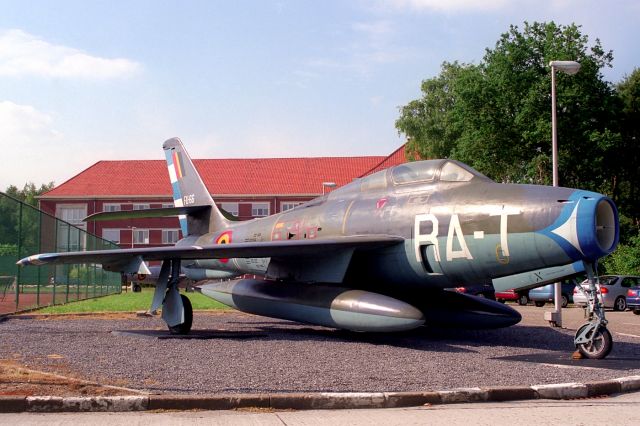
(593,340)
(596,342)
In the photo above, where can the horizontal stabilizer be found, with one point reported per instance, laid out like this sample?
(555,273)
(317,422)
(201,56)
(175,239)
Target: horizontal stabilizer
(538,277)
(145,213)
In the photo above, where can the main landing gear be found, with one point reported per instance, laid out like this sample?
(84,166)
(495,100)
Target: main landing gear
(184,327)
(177,311)
(592,339)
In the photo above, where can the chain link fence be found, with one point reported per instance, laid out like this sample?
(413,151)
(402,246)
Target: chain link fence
(25,230)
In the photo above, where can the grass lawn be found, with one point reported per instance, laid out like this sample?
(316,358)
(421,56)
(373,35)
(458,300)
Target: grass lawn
(129,302)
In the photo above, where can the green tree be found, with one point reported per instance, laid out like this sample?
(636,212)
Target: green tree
(626,259)
(11,227)
(29,192)
(496,116)
(628,91)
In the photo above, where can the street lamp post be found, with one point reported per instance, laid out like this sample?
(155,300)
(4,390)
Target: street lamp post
(327,185)
(133,228)
(568,67)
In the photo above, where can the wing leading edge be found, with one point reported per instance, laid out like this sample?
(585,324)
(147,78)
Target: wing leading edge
(113,260)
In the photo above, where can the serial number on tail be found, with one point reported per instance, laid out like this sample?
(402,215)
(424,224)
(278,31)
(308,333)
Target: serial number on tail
(189,199)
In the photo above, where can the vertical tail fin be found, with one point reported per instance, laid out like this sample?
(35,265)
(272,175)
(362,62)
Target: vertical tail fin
(189,190)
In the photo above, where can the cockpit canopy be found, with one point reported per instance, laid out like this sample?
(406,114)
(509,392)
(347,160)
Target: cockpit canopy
(417,172)
(427,171)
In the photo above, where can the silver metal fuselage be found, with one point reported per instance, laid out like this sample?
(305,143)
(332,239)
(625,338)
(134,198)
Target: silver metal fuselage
(455,233)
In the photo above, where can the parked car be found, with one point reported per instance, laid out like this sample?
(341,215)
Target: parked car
(522,297)
(633,299)
(480,290)
(541,295)
(613,288)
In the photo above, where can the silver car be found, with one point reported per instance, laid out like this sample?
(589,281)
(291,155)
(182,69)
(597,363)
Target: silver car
(613,288)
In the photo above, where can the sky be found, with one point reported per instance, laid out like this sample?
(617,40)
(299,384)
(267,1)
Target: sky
(84,81)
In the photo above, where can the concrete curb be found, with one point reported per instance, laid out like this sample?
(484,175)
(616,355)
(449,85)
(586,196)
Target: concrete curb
(316,401)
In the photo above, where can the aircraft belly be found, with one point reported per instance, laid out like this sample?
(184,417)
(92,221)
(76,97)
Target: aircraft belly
(328,306)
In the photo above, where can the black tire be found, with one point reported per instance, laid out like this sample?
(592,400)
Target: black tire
(601,345)
(565,300)
(136,288)
(620,304)
(185,327)
(539,304)
(523,299)
(636,311)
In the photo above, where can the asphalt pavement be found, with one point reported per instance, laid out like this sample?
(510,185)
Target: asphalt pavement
(235,353)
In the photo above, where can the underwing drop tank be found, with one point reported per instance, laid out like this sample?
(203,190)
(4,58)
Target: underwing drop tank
(329,306)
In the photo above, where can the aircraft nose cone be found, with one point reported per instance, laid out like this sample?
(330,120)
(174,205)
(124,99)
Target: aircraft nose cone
(587,227)
(598,230)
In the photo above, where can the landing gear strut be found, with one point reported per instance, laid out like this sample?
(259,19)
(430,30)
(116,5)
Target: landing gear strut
(592,339)
(176,308)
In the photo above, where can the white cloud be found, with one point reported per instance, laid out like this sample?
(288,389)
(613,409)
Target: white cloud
(22,53)
(371,44)
(20,125)
(374,29)
(32,145)
(447,5)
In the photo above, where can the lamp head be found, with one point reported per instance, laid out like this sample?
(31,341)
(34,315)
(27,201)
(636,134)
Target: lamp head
(567,67)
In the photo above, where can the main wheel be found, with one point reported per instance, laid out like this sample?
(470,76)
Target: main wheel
(185,327)
(620,304)
(539,304)
(601,345)
(136,288)
(636,311)
(523,300)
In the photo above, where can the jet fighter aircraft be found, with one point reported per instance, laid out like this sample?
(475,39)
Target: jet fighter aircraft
(376,255)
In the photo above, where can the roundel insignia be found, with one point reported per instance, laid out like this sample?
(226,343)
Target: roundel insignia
(141,277)
(224,238)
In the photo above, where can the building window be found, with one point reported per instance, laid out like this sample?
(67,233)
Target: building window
(170,236)
(259,209)
(110,207)
(289,205)
(141,236)
(73,215)
(231,208)
(167,205)
(137,206)
(111,235)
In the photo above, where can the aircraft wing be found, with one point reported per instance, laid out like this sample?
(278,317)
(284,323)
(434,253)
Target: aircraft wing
(128,260)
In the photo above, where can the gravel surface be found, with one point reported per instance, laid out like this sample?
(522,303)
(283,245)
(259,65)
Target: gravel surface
(257,354)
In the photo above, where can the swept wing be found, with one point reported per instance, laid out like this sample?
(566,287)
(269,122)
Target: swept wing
(117,259)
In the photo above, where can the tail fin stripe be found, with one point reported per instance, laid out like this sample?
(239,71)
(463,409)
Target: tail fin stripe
(175,186)
(177,163)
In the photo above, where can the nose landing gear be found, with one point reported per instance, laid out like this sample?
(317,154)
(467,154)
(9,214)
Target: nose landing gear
(592,339)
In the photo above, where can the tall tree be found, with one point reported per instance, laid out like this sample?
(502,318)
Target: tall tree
(29,192)
(496,115)
(20,223)
(629,94)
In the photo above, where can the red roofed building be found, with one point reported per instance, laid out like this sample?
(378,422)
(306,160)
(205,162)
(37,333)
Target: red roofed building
(246,188)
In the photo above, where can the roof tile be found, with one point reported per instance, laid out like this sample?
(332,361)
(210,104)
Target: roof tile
(255,176)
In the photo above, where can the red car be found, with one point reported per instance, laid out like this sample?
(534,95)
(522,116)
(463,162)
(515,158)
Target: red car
(521,296)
